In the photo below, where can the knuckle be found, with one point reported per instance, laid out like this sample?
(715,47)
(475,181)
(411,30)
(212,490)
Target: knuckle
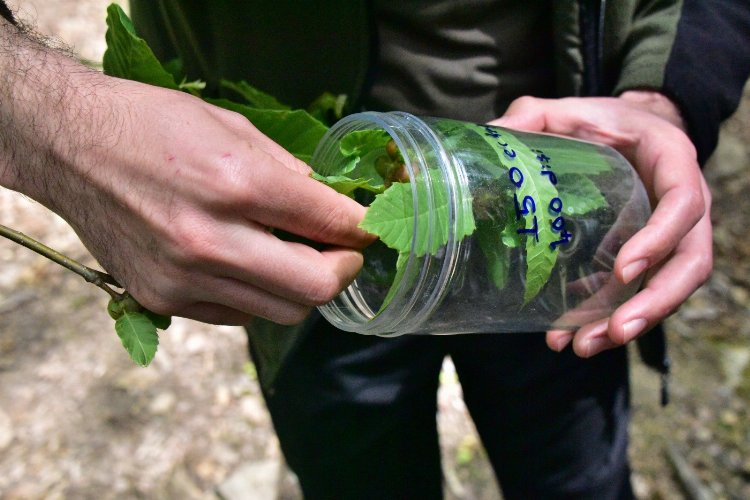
(335,221)
(695,202)
(156,289)
(702,266)
(660,308)
(161,305)
(524,102)
(527,99)
(668,309)
(230,183)
(235,119)
(707,199)
(229,118)
(157,301)
(325,287)
(293,316)
(190,241)
(685,143)
(244,178)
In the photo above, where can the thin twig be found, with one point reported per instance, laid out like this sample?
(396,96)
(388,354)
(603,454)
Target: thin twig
(98,278)
(688,479)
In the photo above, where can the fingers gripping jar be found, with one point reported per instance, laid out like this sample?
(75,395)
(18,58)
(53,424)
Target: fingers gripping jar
(481,229)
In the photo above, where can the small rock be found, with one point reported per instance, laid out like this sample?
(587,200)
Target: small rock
(739,295)
(734,360)
(252,481)
(209,471)
(703,434)
(254,410)
(729,418)
(162,404)
(196,343)
(222,396)
(641,486)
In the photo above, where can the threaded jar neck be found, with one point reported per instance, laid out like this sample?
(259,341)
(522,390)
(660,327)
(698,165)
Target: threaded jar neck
(423,276)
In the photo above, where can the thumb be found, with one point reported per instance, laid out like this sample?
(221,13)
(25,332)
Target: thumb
(525,113)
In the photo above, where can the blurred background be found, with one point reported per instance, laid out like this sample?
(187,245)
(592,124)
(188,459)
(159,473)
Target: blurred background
(79,420)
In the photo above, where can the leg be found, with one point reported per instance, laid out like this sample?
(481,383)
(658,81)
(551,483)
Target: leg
(554,425)
(355,415)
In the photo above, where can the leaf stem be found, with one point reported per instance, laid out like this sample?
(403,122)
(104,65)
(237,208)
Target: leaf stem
(98,278)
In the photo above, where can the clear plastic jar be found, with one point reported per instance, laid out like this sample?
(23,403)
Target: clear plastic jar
(508,231)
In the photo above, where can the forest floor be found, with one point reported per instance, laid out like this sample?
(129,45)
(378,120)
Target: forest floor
(79,420)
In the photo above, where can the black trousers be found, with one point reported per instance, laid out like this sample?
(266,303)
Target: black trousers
(356,415)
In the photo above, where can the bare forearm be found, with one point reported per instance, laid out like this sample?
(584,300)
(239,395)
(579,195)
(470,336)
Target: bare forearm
(46,98)
(171,218)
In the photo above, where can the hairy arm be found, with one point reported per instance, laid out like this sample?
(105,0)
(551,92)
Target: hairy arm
(174,197)
(44,95)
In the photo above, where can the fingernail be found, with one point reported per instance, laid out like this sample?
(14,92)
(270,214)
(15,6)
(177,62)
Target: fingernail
(632,270)
(562,341)
(632,328)
(596,339)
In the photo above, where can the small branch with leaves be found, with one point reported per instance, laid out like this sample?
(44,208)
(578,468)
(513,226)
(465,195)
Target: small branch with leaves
(136,326)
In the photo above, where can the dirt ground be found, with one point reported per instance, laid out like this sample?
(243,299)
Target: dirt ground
(79,420)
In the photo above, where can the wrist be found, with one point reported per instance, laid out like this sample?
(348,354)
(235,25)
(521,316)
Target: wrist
(656,103)
(48,116)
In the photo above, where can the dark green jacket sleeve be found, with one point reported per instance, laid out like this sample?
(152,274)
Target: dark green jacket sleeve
(694,51)
(708,66)
(644,45)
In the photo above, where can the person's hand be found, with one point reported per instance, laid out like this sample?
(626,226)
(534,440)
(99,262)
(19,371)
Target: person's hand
(177,198)
(195,203)
(674,249)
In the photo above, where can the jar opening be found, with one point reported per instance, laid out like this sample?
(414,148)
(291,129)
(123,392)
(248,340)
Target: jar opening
(397,289)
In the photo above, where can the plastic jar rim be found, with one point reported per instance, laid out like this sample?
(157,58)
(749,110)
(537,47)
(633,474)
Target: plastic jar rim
(349,311)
